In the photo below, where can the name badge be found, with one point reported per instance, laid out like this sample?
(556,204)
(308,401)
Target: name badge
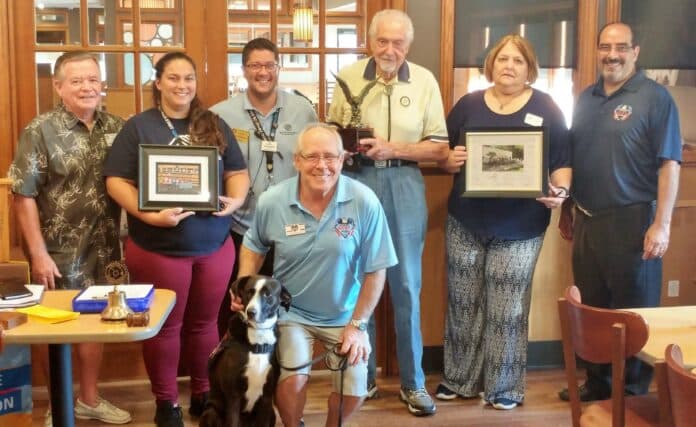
(533,119)
(271,146)
(241,135)
(109,138)
(295,229)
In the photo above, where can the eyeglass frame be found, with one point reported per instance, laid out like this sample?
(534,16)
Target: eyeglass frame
(621,48)
(257,66)
(315,158)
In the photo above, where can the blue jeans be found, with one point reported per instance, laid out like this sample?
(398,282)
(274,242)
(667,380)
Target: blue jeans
(401,191)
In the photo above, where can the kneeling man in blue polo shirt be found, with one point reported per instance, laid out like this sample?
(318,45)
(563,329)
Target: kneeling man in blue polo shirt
(332,247)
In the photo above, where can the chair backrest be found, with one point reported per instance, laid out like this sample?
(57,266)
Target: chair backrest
(599,335)
(682,388)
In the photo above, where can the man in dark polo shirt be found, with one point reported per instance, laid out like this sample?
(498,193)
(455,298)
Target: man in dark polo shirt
(626,154)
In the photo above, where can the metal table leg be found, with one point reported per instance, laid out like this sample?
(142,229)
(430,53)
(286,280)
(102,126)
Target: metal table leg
(60,366)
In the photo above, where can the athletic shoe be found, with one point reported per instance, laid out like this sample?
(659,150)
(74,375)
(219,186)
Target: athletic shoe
(418,401)
(443,393)
(48,421)
(105,412)
(504,404)
(372,392)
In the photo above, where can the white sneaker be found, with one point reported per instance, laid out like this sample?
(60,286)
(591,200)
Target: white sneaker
(48,421)
(105,411)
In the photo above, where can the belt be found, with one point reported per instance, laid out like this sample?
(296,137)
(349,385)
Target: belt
(381,164)
(602,212)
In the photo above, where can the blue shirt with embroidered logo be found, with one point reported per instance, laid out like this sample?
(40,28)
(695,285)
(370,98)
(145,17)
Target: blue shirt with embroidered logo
(618,143)
(321,262)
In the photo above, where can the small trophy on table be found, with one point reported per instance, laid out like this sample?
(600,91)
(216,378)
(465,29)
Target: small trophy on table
(354,130)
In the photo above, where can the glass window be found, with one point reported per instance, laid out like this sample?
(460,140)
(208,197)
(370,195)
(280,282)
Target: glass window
(116,98)
(59,25)
(548,25)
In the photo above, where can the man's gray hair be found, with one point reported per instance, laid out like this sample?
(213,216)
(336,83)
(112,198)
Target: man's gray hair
(391,15)
(73,56)
(330,130)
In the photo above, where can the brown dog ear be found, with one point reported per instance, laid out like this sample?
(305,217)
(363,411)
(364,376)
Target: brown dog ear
(285,298)
(241,281)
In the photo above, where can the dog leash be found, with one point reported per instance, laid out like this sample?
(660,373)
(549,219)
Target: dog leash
(342,365)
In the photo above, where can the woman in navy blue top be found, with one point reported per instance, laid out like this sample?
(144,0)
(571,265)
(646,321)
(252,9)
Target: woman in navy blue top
(189,253)
(493,243)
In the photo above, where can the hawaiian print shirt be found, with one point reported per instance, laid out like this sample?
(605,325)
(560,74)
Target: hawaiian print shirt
(59,163)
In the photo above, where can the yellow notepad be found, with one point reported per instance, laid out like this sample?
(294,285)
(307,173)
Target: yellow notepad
(48,314)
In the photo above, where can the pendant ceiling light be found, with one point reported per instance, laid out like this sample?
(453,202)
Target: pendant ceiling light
(302,21)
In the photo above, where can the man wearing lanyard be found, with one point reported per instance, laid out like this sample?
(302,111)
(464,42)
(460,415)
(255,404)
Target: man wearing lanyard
(265,122)
(404,109)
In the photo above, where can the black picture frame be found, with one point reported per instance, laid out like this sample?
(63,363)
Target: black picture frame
(178,176)
(505,162)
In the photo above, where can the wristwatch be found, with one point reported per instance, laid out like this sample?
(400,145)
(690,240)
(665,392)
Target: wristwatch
(360,324)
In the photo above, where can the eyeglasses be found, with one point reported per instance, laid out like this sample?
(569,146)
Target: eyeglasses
(257,66)
(620,48)
(315,158)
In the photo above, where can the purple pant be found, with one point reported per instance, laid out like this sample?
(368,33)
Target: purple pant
(191,328)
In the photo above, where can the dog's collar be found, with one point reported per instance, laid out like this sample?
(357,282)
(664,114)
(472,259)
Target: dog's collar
(262,348)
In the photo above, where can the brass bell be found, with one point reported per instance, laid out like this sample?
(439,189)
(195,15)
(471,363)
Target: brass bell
(116,309)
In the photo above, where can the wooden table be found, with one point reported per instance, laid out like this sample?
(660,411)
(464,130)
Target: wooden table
(669,325)
(86,328)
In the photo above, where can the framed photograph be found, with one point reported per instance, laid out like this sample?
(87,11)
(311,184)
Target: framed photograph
(178,176)
(508,162)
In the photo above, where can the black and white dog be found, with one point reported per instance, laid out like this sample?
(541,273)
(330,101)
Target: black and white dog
(244,369)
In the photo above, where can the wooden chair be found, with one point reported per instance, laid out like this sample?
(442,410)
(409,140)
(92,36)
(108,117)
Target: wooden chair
(682,388)
(604,336)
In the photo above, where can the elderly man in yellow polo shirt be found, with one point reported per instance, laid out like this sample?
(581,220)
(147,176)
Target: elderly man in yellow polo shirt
(404,109)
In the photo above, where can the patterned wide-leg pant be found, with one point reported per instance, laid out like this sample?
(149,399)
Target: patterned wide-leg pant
(489,289)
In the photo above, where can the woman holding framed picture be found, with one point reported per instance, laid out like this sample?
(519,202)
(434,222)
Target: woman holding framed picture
(493,242)
(175,248)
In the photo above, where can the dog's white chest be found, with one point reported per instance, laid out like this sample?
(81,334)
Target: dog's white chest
(256,372)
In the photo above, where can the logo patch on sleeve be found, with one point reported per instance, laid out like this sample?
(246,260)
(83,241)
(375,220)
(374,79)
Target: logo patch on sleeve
(622,112)
(345,227)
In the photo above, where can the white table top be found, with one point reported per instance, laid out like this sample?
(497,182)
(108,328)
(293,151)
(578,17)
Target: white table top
(89,327)
(669,325)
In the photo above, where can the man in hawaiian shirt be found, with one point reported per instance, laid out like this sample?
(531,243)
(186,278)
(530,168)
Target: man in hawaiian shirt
(68,223)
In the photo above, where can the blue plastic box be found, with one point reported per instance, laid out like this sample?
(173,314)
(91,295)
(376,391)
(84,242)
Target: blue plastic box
(98,305)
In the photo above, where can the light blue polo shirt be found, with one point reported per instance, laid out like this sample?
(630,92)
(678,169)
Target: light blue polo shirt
(295,113)
(321,262)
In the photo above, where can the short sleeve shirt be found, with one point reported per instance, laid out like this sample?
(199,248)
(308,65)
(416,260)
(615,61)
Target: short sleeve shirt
(407,109)
(618,143)
(322,262)
(199,234)
(294,113)
(59,163)
(506,218)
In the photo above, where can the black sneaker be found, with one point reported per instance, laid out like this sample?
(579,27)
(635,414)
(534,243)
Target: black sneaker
(198,402)
(168,415)
(372,392)
(443,393)
(586,395)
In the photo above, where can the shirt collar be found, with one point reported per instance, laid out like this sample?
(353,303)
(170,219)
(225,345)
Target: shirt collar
(631,85)
(71,120)
(370,72)
(340,196)
(280,102)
